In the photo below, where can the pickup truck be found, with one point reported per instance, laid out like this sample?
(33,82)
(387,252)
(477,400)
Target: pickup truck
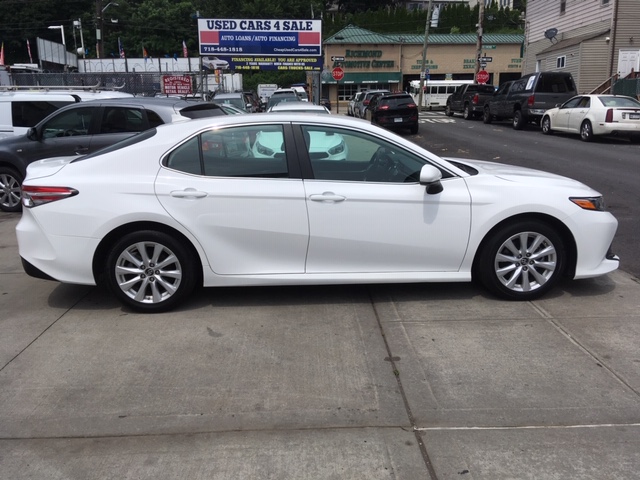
(468,99)
(525,100)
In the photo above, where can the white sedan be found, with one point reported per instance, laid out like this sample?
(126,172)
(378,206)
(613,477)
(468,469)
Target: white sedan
(189,204)
(590,115)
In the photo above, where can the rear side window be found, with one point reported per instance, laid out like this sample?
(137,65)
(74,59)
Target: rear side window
(121,120)
(154,119)
(30,113)
(550,83)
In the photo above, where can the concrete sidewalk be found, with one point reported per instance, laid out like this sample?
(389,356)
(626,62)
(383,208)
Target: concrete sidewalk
(348,382)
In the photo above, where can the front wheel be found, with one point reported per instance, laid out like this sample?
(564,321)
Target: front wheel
(447,110)
(521,261)
(150,271)
(546,126)
(10,190)
(466,113)
(586,131)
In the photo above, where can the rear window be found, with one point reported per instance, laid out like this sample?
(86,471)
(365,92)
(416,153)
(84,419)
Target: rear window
(399,101)
(29,113)
(554,83)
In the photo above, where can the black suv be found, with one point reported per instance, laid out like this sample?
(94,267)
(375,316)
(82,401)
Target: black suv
(83,128)
(525,100)
(393,110)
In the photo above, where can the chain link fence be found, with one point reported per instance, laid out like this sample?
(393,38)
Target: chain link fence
(139,84)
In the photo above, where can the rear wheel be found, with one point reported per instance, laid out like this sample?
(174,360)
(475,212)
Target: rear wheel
(414,129)
(522,261)
(10,191)
(150,271)
(546,125)
(518,120)
(486,115)
(586,131)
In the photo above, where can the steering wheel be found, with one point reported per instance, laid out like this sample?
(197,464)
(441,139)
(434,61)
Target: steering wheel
(382,168)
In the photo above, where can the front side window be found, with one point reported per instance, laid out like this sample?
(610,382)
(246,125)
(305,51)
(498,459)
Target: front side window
(255,151)
(69,123)
(572,103)
(350,156)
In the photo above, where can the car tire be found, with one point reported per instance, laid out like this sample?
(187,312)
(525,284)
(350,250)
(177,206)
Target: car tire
(586,131)
(414,129)
(10,190)
(486,115)
(546,125)
(165,271)
(521,261)
(466,113)
(447,110)
(518,120)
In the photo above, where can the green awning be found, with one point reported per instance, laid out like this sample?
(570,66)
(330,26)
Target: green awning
(360,78)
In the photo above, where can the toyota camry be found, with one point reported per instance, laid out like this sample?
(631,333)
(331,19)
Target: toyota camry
(192,204)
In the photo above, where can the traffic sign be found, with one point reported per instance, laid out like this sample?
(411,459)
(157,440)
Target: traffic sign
(337,74)
(337,59)
(482,76)
(486,59)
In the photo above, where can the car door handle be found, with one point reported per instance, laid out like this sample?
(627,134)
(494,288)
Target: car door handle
(188,193)
(80,150)
(327,197)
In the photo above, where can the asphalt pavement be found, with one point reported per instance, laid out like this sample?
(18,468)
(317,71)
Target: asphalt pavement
(404,382)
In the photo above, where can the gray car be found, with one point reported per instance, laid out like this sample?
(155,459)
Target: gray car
(83,128)
(360,107)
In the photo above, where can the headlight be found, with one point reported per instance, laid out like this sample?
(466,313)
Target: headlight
(589,203)
(337,149)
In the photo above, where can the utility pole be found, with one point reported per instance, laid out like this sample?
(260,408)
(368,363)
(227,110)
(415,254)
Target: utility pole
(423,72)
(479,42)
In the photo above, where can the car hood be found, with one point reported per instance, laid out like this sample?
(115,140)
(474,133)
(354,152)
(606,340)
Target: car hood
(512,173)
(48,166)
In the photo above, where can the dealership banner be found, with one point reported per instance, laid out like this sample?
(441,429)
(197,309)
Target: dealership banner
(260,38)
(307,64)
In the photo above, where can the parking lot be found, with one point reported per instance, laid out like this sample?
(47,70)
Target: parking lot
(359,382)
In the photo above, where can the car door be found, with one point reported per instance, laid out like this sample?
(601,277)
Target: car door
(68,132)
(368,213)
(578,114)
(561,120)
(247,212)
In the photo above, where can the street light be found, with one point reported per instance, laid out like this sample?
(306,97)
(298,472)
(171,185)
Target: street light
(100,25)
(61,28)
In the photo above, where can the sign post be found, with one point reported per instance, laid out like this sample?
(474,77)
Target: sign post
(338,74)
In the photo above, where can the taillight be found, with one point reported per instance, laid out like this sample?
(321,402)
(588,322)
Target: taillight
(475,99)
(383,107)
(366,102)
(35,196)
(412,105)
(531,100)
(609,116)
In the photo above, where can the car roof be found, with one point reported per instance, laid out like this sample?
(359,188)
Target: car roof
(298,107)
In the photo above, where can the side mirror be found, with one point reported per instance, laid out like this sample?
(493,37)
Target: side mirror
(430,177)
(32,133)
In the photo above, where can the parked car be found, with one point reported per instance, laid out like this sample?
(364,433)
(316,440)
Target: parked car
(21,110)
(361,105)
(276,99)
(355,98)
(525,100)
(85,127)
(298,107)
(208,214)
(325,102)
(393,110)
(214,63)
(237,99)
(469,100)
(595,115)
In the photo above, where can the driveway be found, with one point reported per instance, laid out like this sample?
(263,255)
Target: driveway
(424,381)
